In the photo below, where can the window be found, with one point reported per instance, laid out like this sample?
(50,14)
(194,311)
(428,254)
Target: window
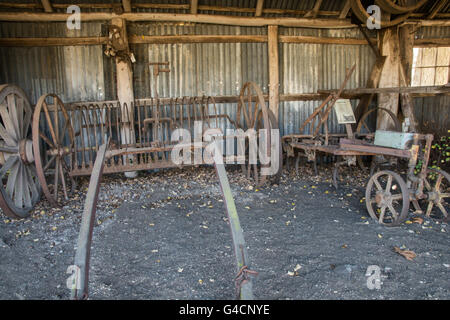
(430,66)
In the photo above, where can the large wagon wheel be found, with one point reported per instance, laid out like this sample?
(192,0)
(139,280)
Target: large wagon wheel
(387,198)
(363,131)
(437,190)
(53,143)
(361,13)
(253,114)
(404,7)
(19,187)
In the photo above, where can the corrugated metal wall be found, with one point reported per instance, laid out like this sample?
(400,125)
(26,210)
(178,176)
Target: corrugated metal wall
(74,73)
(84,73)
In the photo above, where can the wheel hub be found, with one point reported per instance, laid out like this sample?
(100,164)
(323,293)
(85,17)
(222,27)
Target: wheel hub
(383,198)
(26,151)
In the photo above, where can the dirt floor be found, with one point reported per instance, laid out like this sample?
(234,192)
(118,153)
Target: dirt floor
(164,235)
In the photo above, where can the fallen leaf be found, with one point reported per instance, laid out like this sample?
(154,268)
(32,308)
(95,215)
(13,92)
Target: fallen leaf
(417,220)
(409,255)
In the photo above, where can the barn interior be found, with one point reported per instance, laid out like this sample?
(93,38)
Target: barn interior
(93,95)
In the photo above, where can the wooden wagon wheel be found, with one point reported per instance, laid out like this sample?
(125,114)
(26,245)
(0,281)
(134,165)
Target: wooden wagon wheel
(363,131)
(437,188)
(253,114)
(387,198)
(361,13)
(404,6)
(53,143)
(19,187)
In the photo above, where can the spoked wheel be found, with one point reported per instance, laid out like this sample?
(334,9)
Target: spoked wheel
(437,188)
(19,187)
(387,198)
(253,114)
(364,131)
(53,142)
(360,11)
(399,7)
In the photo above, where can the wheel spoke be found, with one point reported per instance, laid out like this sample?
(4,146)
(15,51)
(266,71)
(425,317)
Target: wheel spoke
(389,183)
(393,211)
(8,164)
(19,187)
(12,110)
(377,184)
(438,182)
(55,184)
(6,136)
(47,140)
(429,208)
(26,121)
(20,113)
(381,217)
(441,207)
(398,196)
(26,188)
(52,159)
(61,135)
(31,183)
(49,123)
(8,122)
(63,181)
(12,179)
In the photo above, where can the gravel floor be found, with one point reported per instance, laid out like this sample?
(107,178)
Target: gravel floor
(164,235)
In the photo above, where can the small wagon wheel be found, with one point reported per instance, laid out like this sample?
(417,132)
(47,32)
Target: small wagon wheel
(363,131)
(53,143)
(253,114)
(387,198)
(361,13)
(437,189)
(19,187)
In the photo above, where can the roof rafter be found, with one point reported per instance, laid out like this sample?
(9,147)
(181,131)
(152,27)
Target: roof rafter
(47,5)
(259,8)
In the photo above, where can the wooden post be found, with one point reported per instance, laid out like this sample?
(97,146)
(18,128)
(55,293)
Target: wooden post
(125,95)
(389,47)
(274,82)
(372,82)
(193,6)
(406,38)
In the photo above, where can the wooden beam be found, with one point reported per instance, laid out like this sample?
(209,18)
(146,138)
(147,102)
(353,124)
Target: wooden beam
(126,4)
(170,17)
(52,42)
(140,39)
(436,42)
(438,7)
(47,5)
(345,10)
(322,40)
(259,8)
(193,6)
(274,82)
(315,10)
(417,91)
(197,39)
